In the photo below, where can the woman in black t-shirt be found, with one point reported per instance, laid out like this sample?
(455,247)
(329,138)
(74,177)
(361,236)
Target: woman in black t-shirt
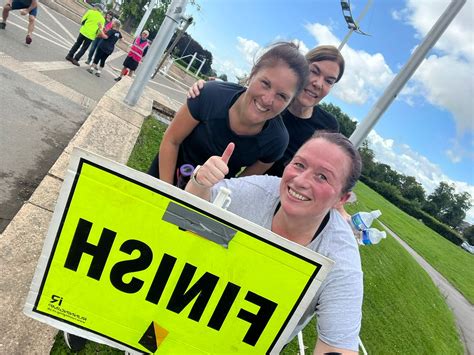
(106,46)
(227,112)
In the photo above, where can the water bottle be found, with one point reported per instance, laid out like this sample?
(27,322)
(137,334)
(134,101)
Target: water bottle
(372,236)
(362,220)
(183,175)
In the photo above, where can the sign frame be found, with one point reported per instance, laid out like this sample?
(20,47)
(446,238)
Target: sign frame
(79,157)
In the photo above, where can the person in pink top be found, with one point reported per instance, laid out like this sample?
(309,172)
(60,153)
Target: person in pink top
(137,52)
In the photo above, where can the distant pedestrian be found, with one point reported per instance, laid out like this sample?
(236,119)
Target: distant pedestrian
(137,52)
(29,7)
(109,16)
(106,47)
(92,22)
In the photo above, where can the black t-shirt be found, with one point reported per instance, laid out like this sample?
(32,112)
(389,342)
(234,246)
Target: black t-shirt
(213,133)
(300,130)
(107,45)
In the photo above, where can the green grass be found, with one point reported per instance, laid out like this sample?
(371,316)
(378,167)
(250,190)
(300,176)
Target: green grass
(403,311)
(147,144)
(454,263)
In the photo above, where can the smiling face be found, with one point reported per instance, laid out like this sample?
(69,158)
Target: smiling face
(322,77)
(270,91)
(312,182)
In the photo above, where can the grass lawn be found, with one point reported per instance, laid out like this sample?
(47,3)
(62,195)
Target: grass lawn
(403,311)
(453,262)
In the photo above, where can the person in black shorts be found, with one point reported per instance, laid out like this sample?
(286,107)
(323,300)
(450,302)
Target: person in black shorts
(135,55)
(29,7)
(105,47)
(227,112)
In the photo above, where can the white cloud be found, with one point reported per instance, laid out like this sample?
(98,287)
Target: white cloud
(458,38)
(408,162)
(248,48)
(365,74)
(445,79)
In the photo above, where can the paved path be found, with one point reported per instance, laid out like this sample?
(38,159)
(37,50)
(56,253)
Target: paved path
(462,309)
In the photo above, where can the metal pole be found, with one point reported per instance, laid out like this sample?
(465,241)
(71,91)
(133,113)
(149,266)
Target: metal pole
(407,71)
(188,22)
(359,19)
(145,17)
(172,19)
(200,67)
(191,61)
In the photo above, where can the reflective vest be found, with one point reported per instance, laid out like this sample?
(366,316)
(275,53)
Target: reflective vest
(137,49)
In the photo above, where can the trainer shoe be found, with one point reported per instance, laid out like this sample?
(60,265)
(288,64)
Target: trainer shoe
(28,39)
(118,79)
(2,25)
(74,342)
(68,58)
(97,74)
(90,70)
(75,62)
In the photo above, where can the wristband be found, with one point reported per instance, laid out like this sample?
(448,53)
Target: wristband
(193,177)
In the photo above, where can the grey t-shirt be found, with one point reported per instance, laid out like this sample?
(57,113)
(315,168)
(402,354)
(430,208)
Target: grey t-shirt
(338,302)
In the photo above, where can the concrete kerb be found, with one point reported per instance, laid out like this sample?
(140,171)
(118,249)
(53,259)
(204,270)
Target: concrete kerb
(109,133)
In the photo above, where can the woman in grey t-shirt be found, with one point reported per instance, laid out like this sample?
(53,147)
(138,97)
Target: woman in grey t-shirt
(300,207)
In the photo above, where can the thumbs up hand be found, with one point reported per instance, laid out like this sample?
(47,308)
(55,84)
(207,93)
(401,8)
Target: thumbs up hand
(214,169)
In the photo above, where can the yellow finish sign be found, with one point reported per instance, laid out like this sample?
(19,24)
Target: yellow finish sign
(135,263)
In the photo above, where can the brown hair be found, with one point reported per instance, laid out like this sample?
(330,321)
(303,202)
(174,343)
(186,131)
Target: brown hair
(288,53)
(351,151)
(327,52)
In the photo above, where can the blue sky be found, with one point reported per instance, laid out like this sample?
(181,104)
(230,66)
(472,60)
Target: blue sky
(428,131)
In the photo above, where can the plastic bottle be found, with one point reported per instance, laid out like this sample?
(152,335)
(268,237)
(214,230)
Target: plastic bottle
(372,236)
(184,174)
(362,220)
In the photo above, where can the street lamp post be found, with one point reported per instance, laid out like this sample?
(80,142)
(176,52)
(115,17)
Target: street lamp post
(173,17)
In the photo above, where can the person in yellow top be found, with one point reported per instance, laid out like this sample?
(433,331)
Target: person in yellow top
(92,22)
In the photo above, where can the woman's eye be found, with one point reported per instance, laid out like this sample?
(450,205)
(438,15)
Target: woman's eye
(330,82)
(283,97)
(321,177)
(265,83)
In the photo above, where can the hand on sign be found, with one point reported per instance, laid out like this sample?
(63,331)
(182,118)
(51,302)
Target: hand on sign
(195,89)
(215,168)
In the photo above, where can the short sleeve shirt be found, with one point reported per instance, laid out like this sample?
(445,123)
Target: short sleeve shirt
(300,130)
(108,44)
(213,133)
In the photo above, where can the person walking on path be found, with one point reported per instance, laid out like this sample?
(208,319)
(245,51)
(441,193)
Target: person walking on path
(106,47)
(109,17)
(29,7)
(137,52)
(92,22)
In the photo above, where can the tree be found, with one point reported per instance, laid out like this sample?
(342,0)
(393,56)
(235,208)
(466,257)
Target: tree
(133,11)
(468,234)
(447,206)
(347,126)
(367,155)
(223,77)
(412,190)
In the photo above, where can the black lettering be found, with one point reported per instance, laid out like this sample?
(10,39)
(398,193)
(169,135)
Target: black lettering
(202,289)
(99,252)
(258,321)
(223,306)
(127,266)
(161,278)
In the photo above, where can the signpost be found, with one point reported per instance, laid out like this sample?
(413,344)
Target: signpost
(140,265)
